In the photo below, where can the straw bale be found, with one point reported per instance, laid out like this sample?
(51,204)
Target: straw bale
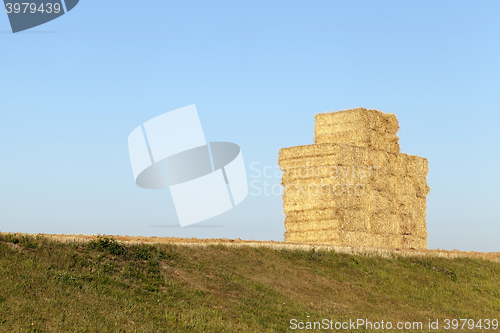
(380,222)
(311,215)
(337,195)
(342,216)
(346,220)
(374,202)
(326,236)
(415,186)
(368,139)
(292,224)
(354,220)
(331,154)
(384,224)
(414,242)
(345,190)
(369,239)
(308,205)
(359,118)
(411,164)
(324,129)
(411,204)
(336,159)
(321,204)
(329,174)
(415,226)
(336,235)
(357,238)
(340,189)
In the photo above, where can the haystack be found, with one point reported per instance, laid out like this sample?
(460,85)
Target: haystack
(353,187)
(359,127)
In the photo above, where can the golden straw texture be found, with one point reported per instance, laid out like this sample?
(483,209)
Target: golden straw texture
(357,119)
(369,139)
(359,127)
(353,187)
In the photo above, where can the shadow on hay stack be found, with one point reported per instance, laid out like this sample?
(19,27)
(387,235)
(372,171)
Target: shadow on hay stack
(353,187)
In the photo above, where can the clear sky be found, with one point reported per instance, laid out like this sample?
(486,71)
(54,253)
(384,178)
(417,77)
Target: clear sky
(72,90)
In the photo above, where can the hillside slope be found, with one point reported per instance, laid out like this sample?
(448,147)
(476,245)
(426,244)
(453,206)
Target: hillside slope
(105,285)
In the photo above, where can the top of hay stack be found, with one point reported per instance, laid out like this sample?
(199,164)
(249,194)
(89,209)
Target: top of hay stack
(359,119)
(359,127)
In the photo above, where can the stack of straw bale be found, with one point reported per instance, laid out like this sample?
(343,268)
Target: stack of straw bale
(353,187)
(359,127)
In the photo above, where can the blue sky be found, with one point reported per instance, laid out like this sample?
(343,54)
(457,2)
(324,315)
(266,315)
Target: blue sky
(72,90)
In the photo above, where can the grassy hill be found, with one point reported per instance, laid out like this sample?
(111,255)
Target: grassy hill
(106,286)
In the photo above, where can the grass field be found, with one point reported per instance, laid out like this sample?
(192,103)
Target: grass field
(107,286)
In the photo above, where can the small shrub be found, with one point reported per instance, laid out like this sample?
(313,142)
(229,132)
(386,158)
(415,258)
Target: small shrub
(24,241)
(11,238)
(107,244)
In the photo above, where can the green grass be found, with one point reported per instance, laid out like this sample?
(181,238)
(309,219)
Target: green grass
(105,286)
